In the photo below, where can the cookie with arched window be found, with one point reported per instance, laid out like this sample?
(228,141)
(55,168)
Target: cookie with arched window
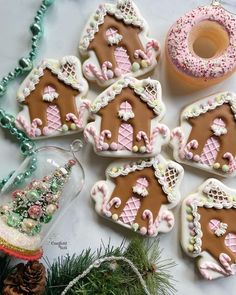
(126,119)
(206,138)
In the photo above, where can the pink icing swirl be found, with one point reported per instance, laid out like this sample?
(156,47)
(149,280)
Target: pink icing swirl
(188,62)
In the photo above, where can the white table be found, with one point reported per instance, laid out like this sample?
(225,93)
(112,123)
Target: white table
(81,227)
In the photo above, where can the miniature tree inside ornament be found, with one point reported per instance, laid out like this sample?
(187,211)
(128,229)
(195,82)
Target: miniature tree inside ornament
(29,212)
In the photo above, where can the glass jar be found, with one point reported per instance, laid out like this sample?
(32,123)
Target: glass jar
(36,196)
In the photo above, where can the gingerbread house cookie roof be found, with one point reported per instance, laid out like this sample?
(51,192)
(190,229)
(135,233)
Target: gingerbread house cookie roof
(148,90)
(214,101)
(168,174)
(124,10)
(67,70)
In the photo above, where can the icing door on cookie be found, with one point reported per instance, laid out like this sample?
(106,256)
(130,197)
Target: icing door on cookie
(53,118)
(122,60)
(125,137)
(210,151)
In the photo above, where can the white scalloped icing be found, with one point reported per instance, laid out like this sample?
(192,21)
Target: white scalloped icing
(99,15)
(55,67)
(139,88)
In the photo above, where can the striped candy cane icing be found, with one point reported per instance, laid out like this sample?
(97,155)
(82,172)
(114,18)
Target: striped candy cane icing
(193,144)
(99,140)
(147,214)
(168,217)
(85,106)
(232,161)
(178,134)
(102,75)
(114,202)
(225,270)
(102,188)
(31,130)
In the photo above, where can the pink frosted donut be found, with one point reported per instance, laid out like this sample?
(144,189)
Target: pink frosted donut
(201,45)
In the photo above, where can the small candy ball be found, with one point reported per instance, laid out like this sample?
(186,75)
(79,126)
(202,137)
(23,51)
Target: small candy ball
(144,64)
(190,248)
(110,74)
(35,211)
(115,217)
(216,166)
(225,168)
(135,67)
(114,146)
(2,90)
(135,226)
(25,64)
(114,169)
(51,209)
(117,72)
(73,126)
(143,231)
(135,149)
(105,146)
(196,158)
(190,217)
(65,128)
(142,149)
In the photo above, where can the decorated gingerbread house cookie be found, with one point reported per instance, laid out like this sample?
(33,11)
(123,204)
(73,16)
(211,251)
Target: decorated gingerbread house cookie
(127,117)
(116,43)
(206,138)
(51,99)
(138,195)
(209,229)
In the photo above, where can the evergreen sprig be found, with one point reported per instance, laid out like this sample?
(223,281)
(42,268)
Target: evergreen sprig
(116,278)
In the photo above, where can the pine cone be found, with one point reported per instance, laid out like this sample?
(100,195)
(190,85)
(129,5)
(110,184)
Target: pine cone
(29,279)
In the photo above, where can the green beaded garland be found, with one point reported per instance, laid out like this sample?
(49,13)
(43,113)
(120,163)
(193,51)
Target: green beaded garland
(25,64)
(48,2)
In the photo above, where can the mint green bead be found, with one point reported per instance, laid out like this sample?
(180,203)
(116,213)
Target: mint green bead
(25,64)
(2,90)
(19,179)
(225,168)
(48,2)
(6,121)
(32,167)
(27,147)
(36,29)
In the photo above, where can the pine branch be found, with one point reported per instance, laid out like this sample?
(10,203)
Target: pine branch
(113,278)
(4,269)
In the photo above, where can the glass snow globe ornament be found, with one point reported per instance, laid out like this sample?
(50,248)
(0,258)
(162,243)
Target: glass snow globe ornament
(34,198)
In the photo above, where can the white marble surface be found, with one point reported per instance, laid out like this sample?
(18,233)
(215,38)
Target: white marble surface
(81,227)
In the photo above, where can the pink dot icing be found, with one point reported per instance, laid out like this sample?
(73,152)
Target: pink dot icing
(191,64)
(117,72)
(114,146)
(105,146)
(143,231)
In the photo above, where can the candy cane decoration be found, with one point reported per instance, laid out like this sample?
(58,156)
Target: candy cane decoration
(178,134)
(99,141)
(116,202)
(226,270)
(140,53)
(168,217)
(91,131)
(150,143)
(147,214)
(31,131)
(79,121)
(92,71)
(232,161)
(102,188)
(193,144)
(152,45)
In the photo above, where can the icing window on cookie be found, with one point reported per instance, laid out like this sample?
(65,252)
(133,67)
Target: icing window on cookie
(151,90)
(216,195)
(126,8)
(113,37)
(217,227)
(141,186)
(122,60)
(171,176)
(130,210)
(68,69)
(210,151)
(49,93)
(126,111)
(230,242)
(218,127)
